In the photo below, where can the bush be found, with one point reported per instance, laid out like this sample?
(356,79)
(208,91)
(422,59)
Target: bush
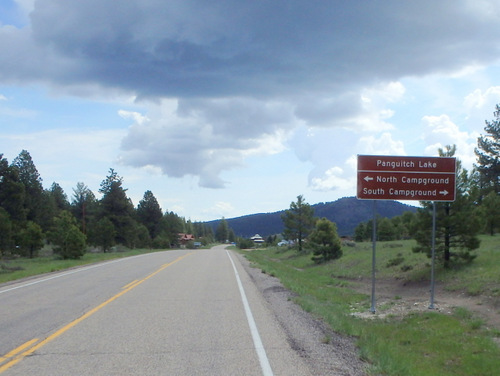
(69,242)
(395,261)
(325,241)
(245,243)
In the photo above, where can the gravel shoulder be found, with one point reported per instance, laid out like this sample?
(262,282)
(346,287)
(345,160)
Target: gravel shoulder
(398,298)
(305,333)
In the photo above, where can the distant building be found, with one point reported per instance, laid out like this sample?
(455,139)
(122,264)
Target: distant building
(185,238)
(257,239)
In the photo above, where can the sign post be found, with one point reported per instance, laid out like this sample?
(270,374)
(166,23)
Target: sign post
(382,177)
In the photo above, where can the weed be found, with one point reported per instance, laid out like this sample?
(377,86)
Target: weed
(395,261)
(406,268)
(475,288)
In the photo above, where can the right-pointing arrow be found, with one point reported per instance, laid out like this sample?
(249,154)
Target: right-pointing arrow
(444,193)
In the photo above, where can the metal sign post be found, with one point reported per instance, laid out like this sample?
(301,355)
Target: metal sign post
(374,245)
(433,256)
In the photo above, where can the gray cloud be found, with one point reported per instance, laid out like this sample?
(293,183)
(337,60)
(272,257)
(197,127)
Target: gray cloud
(191,48)
(241,70)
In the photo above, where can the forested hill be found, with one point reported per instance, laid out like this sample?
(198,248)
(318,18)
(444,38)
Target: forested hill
(346,212)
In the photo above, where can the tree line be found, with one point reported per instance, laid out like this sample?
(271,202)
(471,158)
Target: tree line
(32,216)
(475,211)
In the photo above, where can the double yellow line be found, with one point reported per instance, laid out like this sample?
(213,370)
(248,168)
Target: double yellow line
(28,348)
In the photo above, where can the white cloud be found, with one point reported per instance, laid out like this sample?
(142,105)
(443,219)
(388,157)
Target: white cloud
(477,104)
(333,180)
(86,154)
(204,137)
(440,131)
(382,145)
(220,209)
(136,117)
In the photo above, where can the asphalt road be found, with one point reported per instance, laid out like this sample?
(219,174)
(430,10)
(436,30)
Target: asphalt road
(167,313)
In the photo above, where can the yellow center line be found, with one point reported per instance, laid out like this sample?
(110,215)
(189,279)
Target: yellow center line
(64,329)
(17,350)
(130,284)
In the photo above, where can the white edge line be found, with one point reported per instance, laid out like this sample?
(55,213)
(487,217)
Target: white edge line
(259,347)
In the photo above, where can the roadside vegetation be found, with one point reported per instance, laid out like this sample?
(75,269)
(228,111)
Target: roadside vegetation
(426,342)
(33,217)
(45,262)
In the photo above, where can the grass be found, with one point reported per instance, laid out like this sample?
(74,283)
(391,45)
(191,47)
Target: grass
(14,269)
(427,343)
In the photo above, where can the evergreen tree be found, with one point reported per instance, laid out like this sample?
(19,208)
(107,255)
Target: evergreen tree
(457,223)
(54,200)
(48,211)
(102,234)
(171,226)
(488,154)
(203,232)
(29,176)
(5,232)
(222,231)
(231,236)
(118,208)
(30,240)
(84,205)
(408,221)
(360,232)
(490,207)
(298,221)
(325,241)
(149,214)
(60,198)
(143,237)
(189,227)
(69,242)
(385,229)
(12,193)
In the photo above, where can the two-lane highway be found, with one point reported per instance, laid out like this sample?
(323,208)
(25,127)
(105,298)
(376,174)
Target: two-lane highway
(166,313)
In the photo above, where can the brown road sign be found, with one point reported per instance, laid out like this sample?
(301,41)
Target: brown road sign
(406,178)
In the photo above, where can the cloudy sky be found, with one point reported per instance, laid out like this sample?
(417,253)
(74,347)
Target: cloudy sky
(226,108)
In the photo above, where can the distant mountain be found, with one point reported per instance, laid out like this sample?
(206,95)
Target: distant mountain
(346,212)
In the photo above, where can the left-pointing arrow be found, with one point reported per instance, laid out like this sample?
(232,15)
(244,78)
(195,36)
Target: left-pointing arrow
(368,178)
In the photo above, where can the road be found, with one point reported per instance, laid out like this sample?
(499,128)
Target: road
(166,313)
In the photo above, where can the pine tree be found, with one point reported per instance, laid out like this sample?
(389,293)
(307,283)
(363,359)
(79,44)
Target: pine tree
(69,242)
(31,240)
(222,231)
(490,208)
(149,213)
(457,223)
(102,234)
(488,154)
(325,241)
(84,205)
(5,232)
(298,221)
(12,193)
(118,208)
(29,176)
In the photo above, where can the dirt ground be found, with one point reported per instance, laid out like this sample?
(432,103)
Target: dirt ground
(398,298)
